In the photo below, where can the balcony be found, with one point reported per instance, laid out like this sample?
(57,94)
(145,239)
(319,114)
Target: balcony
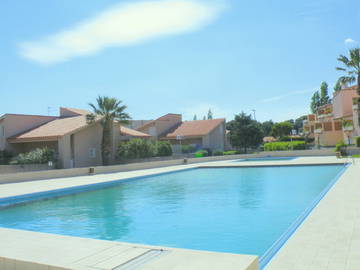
(325,115)
(348,128)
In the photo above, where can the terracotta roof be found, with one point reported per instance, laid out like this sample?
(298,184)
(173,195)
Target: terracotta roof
(52,130)
(77,111)
(133,132)
(161,118)
(195,128)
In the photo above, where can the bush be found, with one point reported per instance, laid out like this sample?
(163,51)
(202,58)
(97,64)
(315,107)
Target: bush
(218,153)
(187,148)
(341,147)
(283,146)
(163,149)
(139,148)
(5,157)
(228,153)
(201,153)
(136,148)
(357,141)
(37,156)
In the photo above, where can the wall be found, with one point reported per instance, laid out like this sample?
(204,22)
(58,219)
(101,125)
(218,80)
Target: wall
(216,139)
(330,138)
(29,176)
(65,152)
(85,139)
(23,168)
(15,124)
(342,102)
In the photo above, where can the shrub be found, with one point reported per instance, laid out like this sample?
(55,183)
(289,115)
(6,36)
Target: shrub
(136,148)
(163,149)
(187,148)
(218,153)
(340,147)
(5,157)
(283,146)
(36,156)
(139,148)
(227,153)
(357,141)
(201,153)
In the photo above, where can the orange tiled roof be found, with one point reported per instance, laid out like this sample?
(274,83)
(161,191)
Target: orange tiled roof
(195,128)
(52,130)
(77,111)
(161,118)
(133,132)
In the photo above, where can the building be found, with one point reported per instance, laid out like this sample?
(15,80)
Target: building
(336,121)
(77,142)
(206,134)
(209,134)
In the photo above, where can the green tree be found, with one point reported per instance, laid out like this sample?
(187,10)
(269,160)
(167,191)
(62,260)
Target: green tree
(267,127)
(324,95)
(107,110)
(245,132)
(195,117)
(315,102)
(352,70)
(282,129)
(210,114)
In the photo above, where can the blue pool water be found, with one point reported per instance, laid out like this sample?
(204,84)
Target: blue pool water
(237,210)
(266,159)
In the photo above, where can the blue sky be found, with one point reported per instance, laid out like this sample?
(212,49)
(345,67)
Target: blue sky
(179,56)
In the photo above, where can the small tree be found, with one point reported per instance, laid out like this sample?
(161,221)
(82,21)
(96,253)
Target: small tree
(267,127)
(315,102)
(324,96)
(210,114)
(282,129)
(195,117)
(245,132)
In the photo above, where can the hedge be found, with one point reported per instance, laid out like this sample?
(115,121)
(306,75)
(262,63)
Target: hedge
(36,156)
(283,146)
(139,148)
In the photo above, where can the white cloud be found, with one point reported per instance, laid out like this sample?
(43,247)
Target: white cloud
(284,96)
(349,41)
(122,25)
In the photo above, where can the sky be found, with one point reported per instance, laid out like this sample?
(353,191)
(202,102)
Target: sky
(173,56)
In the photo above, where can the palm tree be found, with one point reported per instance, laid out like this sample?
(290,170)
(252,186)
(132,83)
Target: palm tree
(107,111)
(352,68)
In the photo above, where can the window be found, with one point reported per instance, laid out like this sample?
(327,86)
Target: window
(92,152)
(327,126)
(2,131)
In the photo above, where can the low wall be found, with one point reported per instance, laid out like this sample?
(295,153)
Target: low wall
(23,168)
(39,175)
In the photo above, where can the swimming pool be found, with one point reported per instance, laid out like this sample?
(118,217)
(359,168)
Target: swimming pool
(237,210)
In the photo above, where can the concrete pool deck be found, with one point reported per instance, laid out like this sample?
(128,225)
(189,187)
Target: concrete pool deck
(328,239)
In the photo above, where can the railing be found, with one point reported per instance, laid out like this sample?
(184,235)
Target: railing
(348,128)
(318,130)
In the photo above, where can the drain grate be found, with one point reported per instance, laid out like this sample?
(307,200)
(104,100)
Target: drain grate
(142,259)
